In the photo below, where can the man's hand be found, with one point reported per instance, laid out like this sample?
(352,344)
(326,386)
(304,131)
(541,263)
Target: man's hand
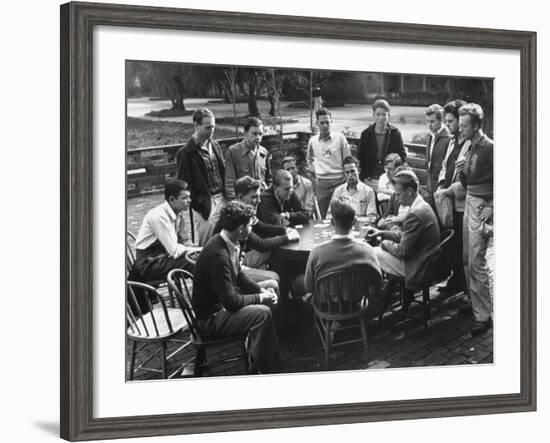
(268,297)
(486,214)
(373,232)
(292,234)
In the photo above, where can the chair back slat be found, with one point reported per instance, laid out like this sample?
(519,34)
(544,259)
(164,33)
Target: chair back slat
(136,315)
(344,291)
(437,253)
(178,284)
(130,251)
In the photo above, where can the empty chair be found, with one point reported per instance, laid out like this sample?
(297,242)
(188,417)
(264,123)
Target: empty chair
(156,324)
(341,302)
(179,284)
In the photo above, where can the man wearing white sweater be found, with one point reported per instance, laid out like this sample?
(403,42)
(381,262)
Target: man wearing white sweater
(325,156)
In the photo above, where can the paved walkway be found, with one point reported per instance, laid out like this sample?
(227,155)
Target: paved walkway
(401,342)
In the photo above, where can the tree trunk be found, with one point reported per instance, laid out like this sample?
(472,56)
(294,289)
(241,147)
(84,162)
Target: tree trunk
(253,109)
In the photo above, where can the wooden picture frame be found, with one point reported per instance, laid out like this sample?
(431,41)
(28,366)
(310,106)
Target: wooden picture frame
(77,214)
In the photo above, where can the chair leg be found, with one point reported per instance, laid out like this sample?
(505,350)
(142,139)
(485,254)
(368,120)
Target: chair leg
(245,357)
(132,361)
(199,360)
(164,363)
(327,342)
(364,335)
(427,305)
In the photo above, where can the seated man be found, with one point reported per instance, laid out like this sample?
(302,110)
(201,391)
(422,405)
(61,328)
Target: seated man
(342,250)
(302,186)
(361,195)
(157,247)
(279,205)
(403,253)
(264,238)
(394,213)
(227,302)
(385,188)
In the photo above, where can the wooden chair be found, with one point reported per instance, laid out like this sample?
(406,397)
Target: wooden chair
(429,281)
(178,283)
(157,326)
(341,301)
(191,256)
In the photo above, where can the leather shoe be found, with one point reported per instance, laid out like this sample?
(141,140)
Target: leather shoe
(480,327)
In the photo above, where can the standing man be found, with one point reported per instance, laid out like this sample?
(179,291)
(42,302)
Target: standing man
(436,148)
(279,205)
(247,157)
(225,300)
(377,141)
(361,196)
(302,186)
(477,179)
(325,155)
(449,184)
(200,163)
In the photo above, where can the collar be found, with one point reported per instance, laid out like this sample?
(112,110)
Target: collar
(281,202)
(341,236)
(483,141)
(359,183)
(434,134)
(328,137)
(169,211)
(203,145)
(298,181)
(230,245)
(417,201)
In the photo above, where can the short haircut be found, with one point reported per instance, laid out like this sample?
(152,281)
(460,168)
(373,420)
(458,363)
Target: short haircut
(287,159)
(200,114)
(436,110)
(236,214)
(343,212)
(381,103)
(474,111)
(349,160)
(321,112)
(394,159)
(252,122)
(407,179)
(281,176)
(453,106)
(173,188)
(246,184)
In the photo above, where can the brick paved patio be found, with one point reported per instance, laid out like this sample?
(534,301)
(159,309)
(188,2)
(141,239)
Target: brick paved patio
(401,342)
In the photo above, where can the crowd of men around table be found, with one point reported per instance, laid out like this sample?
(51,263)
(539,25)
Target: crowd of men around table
(243,214)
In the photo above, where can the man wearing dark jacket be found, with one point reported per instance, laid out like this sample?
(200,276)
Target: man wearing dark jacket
(201,165)
(264,238)
(227,302)
(436,148)
(377,141)
(279,205)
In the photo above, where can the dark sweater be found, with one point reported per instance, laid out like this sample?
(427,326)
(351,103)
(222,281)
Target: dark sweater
(371,161)
(263,238)
(477,175)
(216,283)
(269,210)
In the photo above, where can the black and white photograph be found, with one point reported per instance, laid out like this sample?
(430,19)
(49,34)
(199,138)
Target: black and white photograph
(287,220)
